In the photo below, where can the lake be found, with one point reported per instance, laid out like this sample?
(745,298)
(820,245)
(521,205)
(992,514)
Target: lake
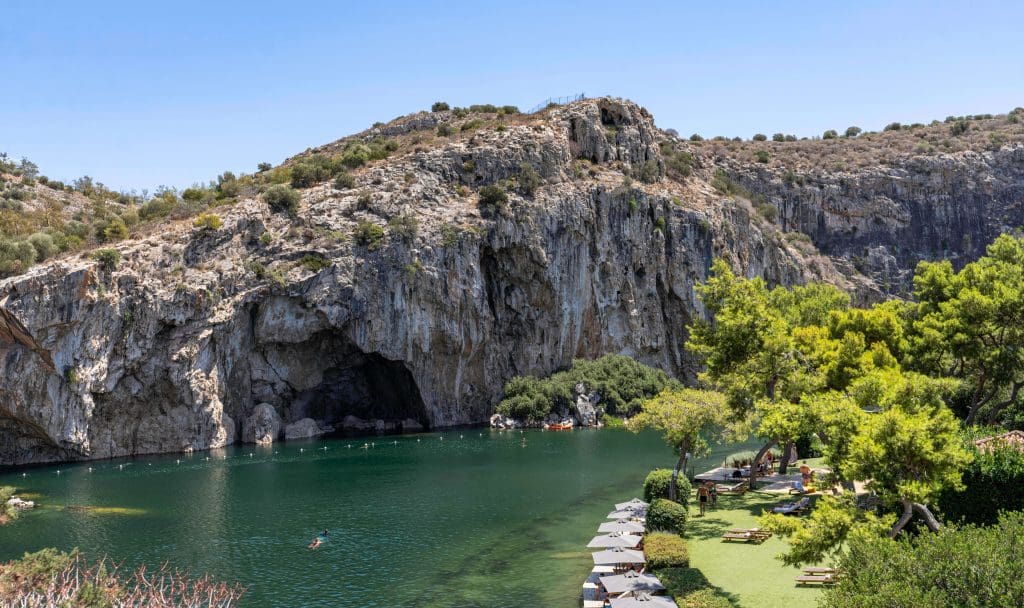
(466,518)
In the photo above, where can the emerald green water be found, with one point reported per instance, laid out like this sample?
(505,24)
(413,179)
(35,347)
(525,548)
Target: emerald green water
(465,518)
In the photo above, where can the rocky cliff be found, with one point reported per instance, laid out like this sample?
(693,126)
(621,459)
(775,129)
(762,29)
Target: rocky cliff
(187,340)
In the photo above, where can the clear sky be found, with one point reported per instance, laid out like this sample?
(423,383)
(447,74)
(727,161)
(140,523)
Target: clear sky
(139,94)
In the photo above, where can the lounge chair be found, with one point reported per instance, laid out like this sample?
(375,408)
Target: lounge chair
(756,535)
(737,488)
(819,570)
(821,579)
(797,507)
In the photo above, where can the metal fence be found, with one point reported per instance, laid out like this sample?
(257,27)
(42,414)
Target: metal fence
(557,101)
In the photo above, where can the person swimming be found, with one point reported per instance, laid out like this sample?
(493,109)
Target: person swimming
(319,540)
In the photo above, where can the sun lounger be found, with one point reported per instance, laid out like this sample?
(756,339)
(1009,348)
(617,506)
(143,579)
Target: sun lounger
(736,488)
(822,579)
(756,535)
(819,570)
(797,507)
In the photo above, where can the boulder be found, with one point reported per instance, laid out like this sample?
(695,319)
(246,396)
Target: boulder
(20,505)
(263,426)
(303,429)
(355,423)
(585,407)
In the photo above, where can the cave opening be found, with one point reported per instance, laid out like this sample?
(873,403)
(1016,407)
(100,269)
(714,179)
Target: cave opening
(328,378)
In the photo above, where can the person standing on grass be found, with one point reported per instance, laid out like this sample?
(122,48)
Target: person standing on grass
(703,496)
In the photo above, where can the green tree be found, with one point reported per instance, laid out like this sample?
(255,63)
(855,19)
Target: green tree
(852,131)
(281,198)
(970,325)
(687,419)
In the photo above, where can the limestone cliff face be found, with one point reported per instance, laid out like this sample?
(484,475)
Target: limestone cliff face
(182,342)
(883,220)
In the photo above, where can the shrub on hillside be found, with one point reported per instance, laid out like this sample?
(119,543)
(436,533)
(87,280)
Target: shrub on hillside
(281,198)
(830,134)
(344,181)
(529,179)
(108,258)
(760,137)
(852,131)
(666,516)
(440,106)
(369,235)
(43,244)
(493,197)
(208,221)
(404,226)
(666,550)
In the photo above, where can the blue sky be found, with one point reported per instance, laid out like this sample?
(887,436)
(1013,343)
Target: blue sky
(140,94)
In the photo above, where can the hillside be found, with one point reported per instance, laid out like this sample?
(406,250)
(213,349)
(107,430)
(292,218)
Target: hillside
(418,265)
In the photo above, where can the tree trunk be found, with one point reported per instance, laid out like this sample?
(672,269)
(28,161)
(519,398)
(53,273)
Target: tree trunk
(784,461)
(753,466)
(908,512)
(673,486)
(929,519)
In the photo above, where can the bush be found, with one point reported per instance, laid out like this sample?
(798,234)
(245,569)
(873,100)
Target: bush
(115,231)
(529,179)
(444,129)
(281,198)
(208,221)
(43,244)
(622,382)
(691,588)
(657,482)
(493,197)
(993,482)
(404,226)
(762,156)
(666,516)
(852,131)
(830,134)
(439,106)
(893,126)
(344,181)
(314,262)
(959,128)
(666,550)
(264,167)
(970,566)
(760,137)
(778,137)
(108,258)
(369,235)
(696,137)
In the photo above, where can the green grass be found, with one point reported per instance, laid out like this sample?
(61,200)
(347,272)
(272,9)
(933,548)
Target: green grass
(747,572)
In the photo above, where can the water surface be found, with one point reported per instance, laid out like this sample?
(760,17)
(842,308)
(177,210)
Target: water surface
(471,518)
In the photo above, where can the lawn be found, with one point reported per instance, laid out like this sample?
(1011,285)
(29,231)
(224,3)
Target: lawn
(747,572)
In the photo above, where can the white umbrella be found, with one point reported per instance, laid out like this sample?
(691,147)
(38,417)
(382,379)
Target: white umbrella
(612,557)
(622,525)
(628,514)
(632,581)
(643,600)
(634,503)
(615,539)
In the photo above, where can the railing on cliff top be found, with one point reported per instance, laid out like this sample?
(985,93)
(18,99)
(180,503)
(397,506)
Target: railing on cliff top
(556,101)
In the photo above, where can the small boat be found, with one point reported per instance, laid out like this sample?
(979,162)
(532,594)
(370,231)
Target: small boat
(561,426)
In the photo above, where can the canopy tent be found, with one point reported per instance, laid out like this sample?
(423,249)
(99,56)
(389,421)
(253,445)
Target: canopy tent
(617,556)
(632,582)
(621,525)
(615,539)
(643,600)
(634,503)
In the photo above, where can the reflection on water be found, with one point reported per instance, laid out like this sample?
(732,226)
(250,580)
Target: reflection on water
(463,518)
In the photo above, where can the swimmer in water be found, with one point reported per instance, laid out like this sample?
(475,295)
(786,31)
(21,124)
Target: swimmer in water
(319,540)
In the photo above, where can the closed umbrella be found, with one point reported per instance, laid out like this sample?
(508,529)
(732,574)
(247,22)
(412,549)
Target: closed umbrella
(615,539)
(632,582)
(614,557)
(621,525)
(643,600)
